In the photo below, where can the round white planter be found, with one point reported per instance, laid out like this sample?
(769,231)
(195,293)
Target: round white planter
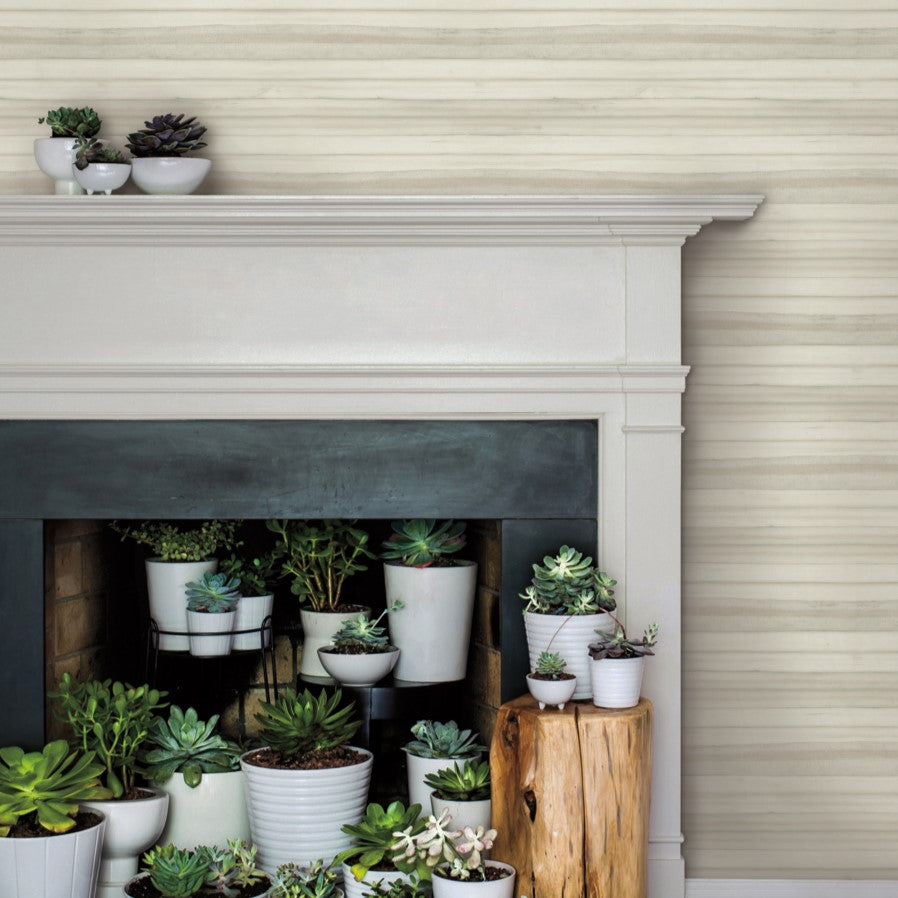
(555,693)
(169,174)
(102,177)
(355,889)
(457,888)
(317,628)
(251,612)
(296,815)
(54,157)
(128,893)
(464,813)
(166,589)
(417,768)
(569,635)
(616,682)
(202,625)
(358,670)
(210,814)
(433,628)
(53,866)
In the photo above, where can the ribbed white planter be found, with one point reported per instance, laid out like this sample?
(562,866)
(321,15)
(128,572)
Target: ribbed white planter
(358,670)
(128,892)
(464,813)
(209,814)
(433,628)
(52,866)
(457,888)
(616,682)
(296,815)
(211,635)
(167,592)
(317,628)
(251,611)
(417,768)
(355,889)
(569,635)
(555,693)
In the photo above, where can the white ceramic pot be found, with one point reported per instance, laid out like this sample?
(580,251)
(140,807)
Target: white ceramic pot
(166,588)
(131,828)
(570,636)
(358,670)
(169,174)
(464,813)
(433,628)
(209,814)
(417,768)
(358,889)
(296,815)
(318,627)
(555,693)
(211,634)
(128,892)
(53,866)
(54,157)
(616,682)
(459,888)
(102,177)
(251,612)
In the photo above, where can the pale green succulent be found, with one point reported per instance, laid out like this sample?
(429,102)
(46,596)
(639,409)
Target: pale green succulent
(617,645)
(296,724)
(314,881)
(568,583)
(214,593)
(442,740)
(176,872)
(362,636)
(550,664)
(420,543)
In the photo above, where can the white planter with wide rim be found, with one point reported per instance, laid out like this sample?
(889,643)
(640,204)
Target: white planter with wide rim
(417,768)
(318,627)
(211,634)
(569,635)
(433,628)
(358,670)
(53,866)
(127,893)
(464,813)
(356,889)
(167,592)
(296,815)
(459,888)
(251,612)
(616,682)
(102,177)
(169,174)
(555,693)
(54,157)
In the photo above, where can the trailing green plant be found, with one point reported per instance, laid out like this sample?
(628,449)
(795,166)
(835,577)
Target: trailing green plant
(421,543)
(569,583)
(176,872)
(89,149)
(213,594)
(617,645)
(550,666)
(443,740)
(66,121)
(167,135)
(314,881)
(171,542)
(470,782)
(187,745)
(231,870)
(318,557)
(360,636)
(111,720)
(297,724)
(48,783)
(256,575)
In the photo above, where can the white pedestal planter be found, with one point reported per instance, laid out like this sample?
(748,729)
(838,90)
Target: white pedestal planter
(296,815)
(456,888)
(616,682)
(54,157)
(318,627)
(251,611)
(569,635)
(417,768)
(52,866)
(211,635)
(464,813)
(358,670)
(166,589)
(433,628)
(355,889)
(555,693)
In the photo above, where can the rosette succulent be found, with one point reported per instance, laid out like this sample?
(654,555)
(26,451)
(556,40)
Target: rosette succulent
(617,645)
(569,583)
(167,135)
(470,782)
(421,543)
(176,872)
(550,665)
(89,149)
(443,740)
(360,636)
(214,593)
(70,122)
(296,724)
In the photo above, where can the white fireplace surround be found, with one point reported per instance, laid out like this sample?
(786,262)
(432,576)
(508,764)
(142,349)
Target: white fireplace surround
(386,307)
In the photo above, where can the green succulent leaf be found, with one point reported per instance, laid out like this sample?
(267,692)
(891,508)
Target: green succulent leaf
(420,542)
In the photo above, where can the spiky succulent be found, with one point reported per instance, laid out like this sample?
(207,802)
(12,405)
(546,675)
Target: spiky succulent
(372,837)
(314,881)
(232,869)
(550,665)
(296,724)
(176,872)
(362,636)
(89,149)
(617,645)
(167,135)
(443,740)
(569,583)
(470,782)
(214,593)
(420,543)
(71,122)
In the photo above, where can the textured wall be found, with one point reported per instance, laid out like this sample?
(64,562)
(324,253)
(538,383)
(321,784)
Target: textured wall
(790,319)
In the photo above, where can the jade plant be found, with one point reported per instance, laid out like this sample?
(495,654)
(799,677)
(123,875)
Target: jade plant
(172,542)
(470,782)
(421,543)
(256,575)
(360,636)
(313,881)
(167,135)
(213,593)
(442,740)
(298,724)
(72,122)
(89,149)
(617,645)
(569,583)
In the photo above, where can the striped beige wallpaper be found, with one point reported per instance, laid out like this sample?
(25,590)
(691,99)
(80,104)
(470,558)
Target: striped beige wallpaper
(791,320)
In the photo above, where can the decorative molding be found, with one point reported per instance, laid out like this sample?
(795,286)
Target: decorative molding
(790,888)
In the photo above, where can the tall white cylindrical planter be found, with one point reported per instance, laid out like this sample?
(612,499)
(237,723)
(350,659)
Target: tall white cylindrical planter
(317,628)
(417,768)
(433,627)
(296,815)
(460,888)
(211,634)
(616,682)
(167,591)
(355,889)
(251,612)
(464,813)
(569,635)
(52,866)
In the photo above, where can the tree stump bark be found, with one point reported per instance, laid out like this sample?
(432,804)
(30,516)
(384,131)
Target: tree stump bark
(571,798)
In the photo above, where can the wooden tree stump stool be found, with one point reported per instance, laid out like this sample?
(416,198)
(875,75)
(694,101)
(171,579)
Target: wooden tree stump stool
(571,796)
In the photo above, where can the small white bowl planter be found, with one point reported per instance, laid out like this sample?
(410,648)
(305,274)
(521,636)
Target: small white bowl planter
(464,813)
(53,866)
(102,177)
(360,669)
(417,768)
(460,888)
(318,627)
(358,889)
(555,693)
(169,174)
(251,613)
(616,682)
(211,634)
(167,591)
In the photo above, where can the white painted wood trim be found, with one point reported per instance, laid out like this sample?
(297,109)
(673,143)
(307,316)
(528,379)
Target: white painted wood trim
(790,888)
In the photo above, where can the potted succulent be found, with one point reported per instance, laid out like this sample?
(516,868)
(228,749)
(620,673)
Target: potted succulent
(55,154)
(317,558)
(617,666)
(306,783)
(414,887)
(360,653)
(211,613)
(200,771)
(463,792)
(567,601)
(312,881)
(435,744)
(180,555)
(49,846)
(549,683)
(430,597)
(112,720)
(256,576)
(160,148)
(99,167)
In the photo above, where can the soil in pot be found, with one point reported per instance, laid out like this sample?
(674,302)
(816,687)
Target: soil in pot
(323,759)
(490,874)
(27,827)
(549,678)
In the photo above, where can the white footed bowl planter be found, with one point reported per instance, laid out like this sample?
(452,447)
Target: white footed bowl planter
(555,693)
(570,636)
(417,768)
(54,157)
(433,628)
(166,589)
(211,634)
(355,889)
(358,670)
(52,866)
(169,174)
(458,888)
(318,627)
(296,815)
(251,612)
(616,682)
(102,177)
(464,813)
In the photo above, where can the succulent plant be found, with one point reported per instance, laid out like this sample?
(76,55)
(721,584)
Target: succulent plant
(568,583)
(372,837)
(361,636)
(617,645)
(176,872)
(231,870)
(413,887)
(256,575)
(171,542)
(48,783)
(550,665)
(420,543)
(443,740)
(68,122)
(214,594)
(457,854)
(314,881)
(89,149)
(167,135)
(296,724)
(470,782)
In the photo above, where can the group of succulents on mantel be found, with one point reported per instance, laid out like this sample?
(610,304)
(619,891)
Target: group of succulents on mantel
(78,160)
